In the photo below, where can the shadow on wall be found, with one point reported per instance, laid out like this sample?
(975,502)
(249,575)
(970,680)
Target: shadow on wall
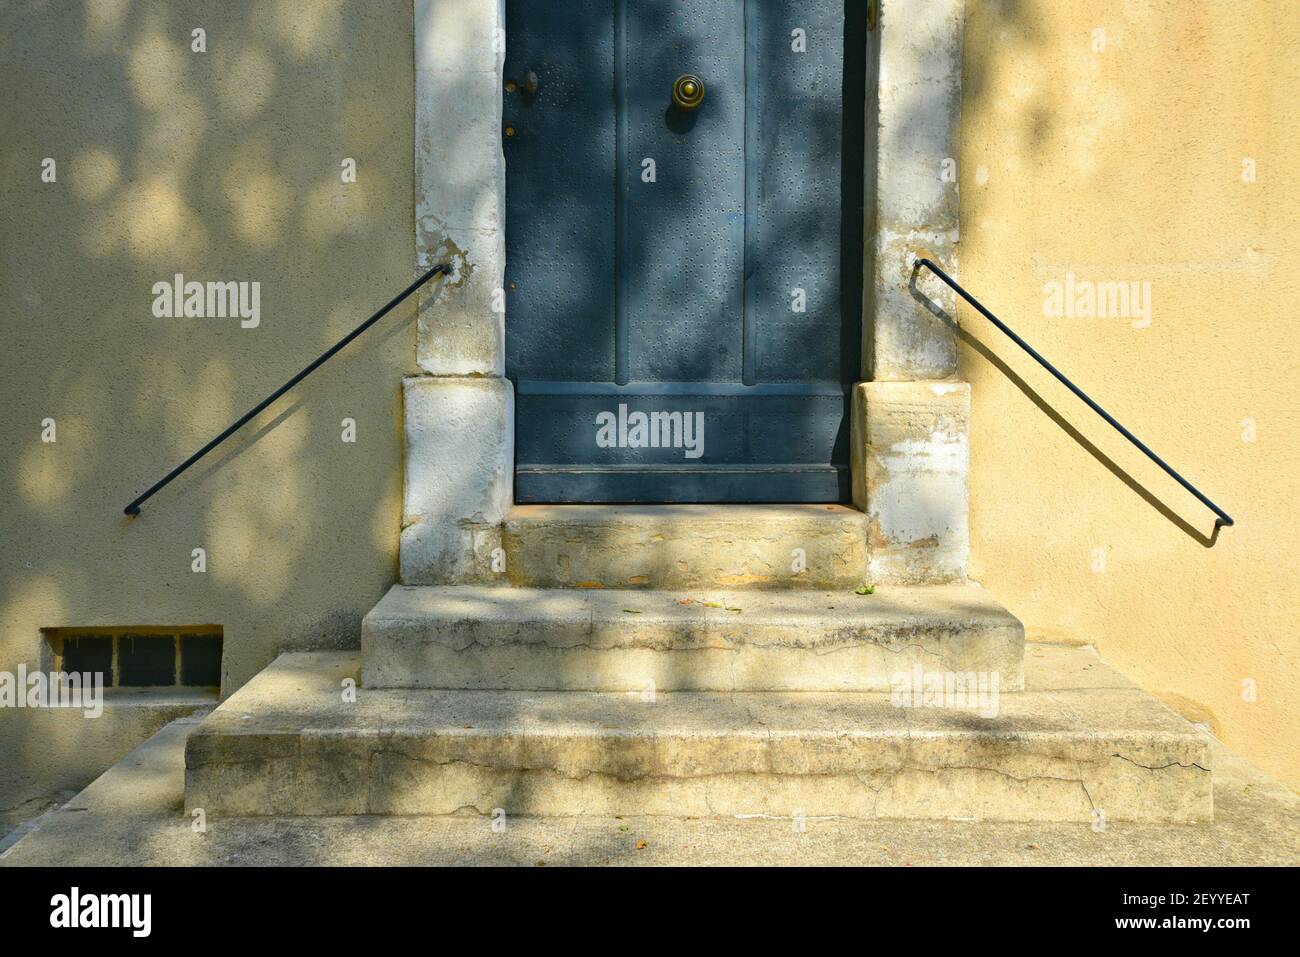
(224,164)
(1043,406)
(1034,123)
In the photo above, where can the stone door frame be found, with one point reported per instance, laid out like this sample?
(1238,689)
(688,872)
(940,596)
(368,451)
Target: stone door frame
(909,415)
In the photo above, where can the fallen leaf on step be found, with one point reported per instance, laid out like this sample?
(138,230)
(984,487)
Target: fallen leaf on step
(631,611)
(640,845)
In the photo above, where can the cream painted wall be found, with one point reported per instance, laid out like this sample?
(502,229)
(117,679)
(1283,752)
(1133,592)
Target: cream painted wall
(222,165)
(1127,165)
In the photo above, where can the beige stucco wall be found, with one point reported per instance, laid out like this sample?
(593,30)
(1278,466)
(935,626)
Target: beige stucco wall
(222,165)
(1127,165)
(1124,164)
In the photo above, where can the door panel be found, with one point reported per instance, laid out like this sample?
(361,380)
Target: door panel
(675,297)
(795,192)
(560,191)
(683,235)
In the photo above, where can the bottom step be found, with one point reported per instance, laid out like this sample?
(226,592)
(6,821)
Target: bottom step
(1081,743)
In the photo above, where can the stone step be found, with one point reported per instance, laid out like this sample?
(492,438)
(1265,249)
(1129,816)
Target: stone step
(496,638)
(1081,744)
(716,547)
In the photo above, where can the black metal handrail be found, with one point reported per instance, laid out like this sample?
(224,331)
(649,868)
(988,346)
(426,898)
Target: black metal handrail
(1223,517)
(134,507)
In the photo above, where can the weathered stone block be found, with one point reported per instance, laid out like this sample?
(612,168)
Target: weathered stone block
(912,143)
(910,464)
(914,336)
(686,546)
(460,185)
(462,315)
(459,36)
(919,102)
(459,164)
(459,476)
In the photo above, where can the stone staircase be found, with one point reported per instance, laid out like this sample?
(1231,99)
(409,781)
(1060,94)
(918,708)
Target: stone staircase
(692,661)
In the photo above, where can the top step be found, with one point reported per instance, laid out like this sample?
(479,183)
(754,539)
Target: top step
(728,547)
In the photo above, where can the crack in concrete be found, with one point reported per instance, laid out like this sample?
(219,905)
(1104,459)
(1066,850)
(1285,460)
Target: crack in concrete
(1161,767)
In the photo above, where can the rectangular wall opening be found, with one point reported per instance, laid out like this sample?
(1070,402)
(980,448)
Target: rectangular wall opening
(138,656)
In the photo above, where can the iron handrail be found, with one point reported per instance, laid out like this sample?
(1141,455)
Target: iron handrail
(134,507)
(1223,517)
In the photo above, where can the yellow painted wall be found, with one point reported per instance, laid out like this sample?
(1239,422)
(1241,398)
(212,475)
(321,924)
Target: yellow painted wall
(1126,164)
(222,165)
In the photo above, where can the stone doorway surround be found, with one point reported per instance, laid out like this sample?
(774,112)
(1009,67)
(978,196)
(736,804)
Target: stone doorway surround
(909,416)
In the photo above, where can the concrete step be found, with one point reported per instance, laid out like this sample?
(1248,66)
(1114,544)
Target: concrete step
(130,817)
(717,547)
(1081,744)
(495,638)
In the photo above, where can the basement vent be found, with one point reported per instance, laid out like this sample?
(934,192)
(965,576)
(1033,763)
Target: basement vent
(138,656)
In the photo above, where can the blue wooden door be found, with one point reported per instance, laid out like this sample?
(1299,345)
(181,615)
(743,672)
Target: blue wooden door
(683,284)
